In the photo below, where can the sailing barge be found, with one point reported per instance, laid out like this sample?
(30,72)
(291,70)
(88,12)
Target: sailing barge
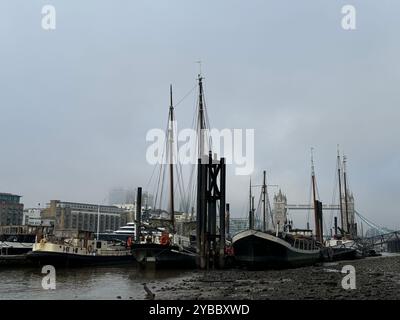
(164,249)
(258,249)
(284,248)
(342,245)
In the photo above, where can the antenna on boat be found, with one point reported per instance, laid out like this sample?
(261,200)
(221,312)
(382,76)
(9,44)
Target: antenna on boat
(199,62)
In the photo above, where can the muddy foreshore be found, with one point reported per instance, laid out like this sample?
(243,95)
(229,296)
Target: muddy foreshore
(376,278)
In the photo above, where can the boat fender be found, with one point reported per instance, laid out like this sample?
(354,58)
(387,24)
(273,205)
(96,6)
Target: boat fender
(330,254)
(129,242)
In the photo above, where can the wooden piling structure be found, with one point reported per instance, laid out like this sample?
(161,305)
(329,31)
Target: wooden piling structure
(318,221)
(211,179)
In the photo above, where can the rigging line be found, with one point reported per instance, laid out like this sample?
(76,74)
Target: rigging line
(310,202)
(259,209)
(162,189)
(179,173)
(190,184)
(151,177)
(177,187)
(269,210)
(160,166)
(189,190)
(187,194)
(326,229)
(162,172)
(180,186)
(272,216)
(185,96)
(157,186)
(207,119)
(316,187)
(193,187)
(369,222)
(192,170)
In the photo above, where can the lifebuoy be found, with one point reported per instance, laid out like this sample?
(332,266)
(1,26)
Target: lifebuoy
(164,239)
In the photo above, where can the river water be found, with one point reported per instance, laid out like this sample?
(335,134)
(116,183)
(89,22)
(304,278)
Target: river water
(123,282)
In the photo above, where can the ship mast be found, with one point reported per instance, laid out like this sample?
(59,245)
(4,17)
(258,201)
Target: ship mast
(201,117)
(340,192)
(202,123)
(313,176)
(264,192)
(251,212)
(171,159)
(318,229)
(345,195)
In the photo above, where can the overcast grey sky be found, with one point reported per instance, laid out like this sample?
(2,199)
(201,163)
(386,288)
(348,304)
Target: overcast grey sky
(76,102)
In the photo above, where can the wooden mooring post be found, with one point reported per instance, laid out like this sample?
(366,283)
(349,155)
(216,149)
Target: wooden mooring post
(211,180)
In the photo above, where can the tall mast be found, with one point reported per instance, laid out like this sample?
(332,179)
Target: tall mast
(252,212)
(313,176)
(345,195)
(251,225)
(317,226)
(264,192)
(340,191)
(202,124)
(171,158)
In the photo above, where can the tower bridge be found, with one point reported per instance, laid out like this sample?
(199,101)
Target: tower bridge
(311,207)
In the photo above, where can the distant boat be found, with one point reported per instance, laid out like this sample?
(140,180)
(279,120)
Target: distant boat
(80,251)
(122,234)
(16,245)
(342,245)
(342,249)
(18,240)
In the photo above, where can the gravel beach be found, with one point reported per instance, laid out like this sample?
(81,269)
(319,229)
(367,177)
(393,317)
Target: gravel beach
(376,278)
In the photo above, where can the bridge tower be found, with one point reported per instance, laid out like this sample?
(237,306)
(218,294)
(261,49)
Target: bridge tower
(280,210)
